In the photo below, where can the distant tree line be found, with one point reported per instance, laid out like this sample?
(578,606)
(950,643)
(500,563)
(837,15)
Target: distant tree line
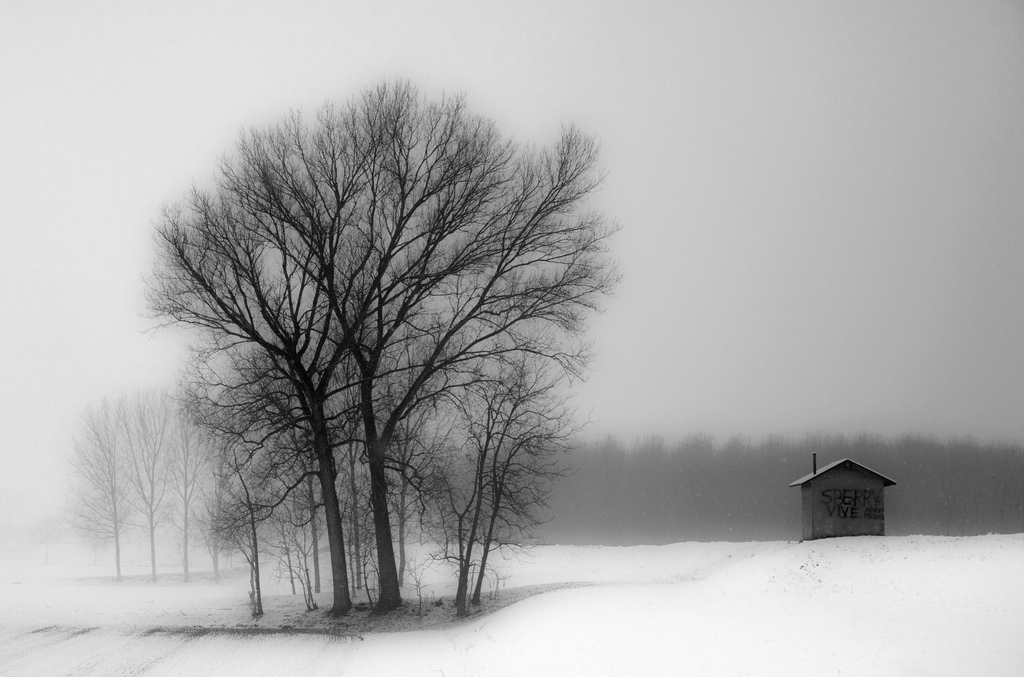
(702,490)
(136,465)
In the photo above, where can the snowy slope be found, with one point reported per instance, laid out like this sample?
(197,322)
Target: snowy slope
(885,606)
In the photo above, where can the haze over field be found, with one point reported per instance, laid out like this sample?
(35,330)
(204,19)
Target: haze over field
(820,202)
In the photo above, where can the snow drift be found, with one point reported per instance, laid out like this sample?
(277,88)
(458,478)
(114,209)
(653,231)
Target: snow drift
(886,606)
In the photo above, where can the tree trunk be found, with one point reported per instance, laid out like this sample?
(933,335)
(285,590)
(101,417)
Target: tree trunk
(402,510)
(328,474)
(462,588)
(316,560)
(486,546)
(335,539)
(215,556)
(485,549)
(291,572)
(117,553)
(478,506)
(184,546)
(357,554)
(257,591)
(390,596)
(465,561)
(313,535)
(152,546)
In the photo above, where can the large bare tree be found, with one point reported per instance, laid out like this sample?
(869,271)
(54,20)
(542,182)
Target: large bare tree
(256,287)
(404,237)
(469,247)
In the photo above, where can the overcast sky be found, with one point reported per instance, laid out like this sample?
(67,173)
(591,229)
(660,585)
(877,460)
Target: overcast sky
(822,204)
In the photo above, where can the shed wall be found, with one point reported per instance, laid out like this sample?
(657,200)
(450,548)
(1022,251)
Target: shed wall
(844,502)
(807,500)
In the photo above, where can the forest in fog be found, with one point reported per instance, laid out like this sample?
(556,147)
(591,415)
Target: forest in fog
(656,492)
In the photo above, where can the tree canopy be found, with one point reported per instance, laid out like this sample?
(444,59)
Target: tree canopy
(377,257)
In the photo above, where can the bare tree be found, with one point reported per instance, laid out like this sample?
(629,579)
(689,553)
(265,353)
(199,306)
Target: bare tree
(257,288)
(47,530)
(255,485)
(188,456)
(144,420)
(98,503)
(213,499)
(293,539)
(529,426)
(413,449)
(455,524)
(352,507)
(510,429)
(243,402)
(469,247)
(404,449)
(403,237)
(261,473)
(314,531)
(243,512)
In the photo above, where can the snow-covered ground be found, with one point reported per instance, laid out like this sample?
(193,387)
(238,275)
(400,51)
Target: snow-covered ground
(882,606)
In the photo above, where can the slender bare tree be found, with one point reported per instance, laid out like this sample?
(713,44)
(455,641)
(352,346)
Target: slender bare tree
(353,508)
(48,530)
(292,538)
(144,420)
(212,502)
(510,429)
(411,451)
(313,505)
(525,420)
(98,504)
(188,457)
(245,509)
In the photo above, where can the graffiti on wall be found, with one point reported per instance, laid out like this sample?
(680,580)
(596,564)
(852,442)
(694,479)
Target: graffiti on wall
(854,503)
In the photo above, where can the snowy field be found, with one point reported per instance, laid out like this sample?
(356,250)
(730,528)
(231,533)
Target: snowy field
(882,606)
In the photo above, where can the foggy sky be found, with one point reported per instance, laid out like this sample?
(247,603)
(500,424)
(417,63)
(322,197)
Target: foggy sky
(821,203)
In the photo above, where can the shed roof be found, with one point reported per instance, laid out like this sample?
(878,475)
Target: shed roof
(848,463)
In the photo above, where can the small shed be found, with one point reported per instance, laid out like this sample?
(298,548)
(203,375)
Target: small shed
(843,499)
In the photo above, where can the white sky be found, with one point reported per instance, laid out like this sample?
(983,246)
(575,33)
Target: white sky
(821,202)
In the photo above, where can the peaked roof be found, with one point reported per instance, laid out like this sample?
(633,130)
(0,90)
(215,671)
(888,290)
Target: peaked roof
(846,463)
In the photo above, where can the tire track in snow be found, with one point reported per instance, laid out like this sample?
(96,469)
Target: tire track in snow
(73,651)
